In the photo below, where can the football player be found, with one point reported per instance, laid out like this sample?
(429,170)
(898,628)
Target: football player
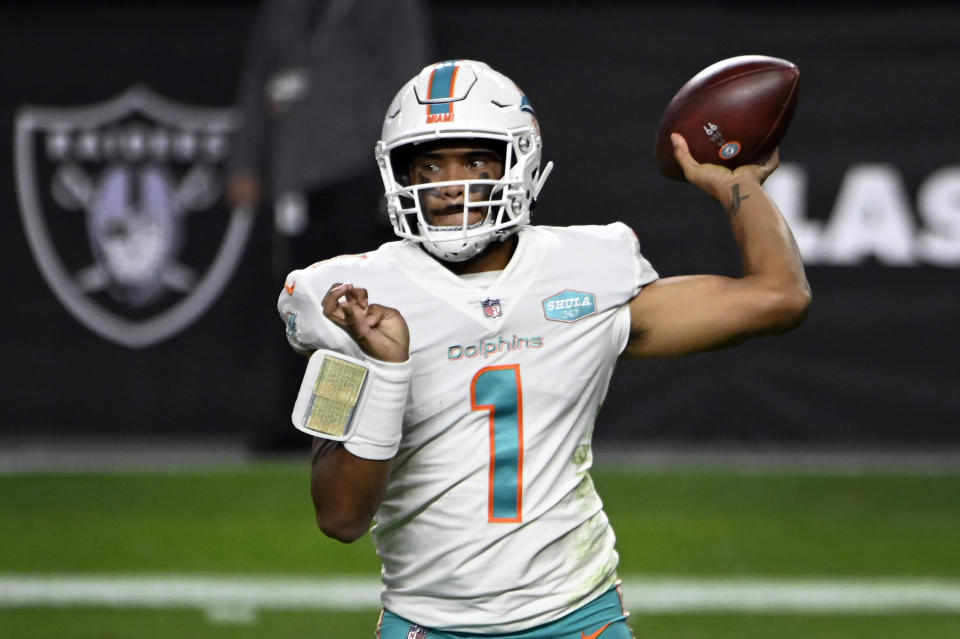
(457,372)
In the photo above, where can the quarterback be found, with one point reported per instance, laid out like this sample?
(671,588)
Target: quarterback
(456,373)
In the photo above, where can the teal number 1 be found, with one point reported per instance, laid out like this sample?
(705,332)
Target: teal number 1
(497,389)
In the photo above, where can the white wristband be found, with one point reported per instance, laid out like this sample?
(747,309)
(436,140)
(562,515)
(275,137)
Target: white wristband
(357,401)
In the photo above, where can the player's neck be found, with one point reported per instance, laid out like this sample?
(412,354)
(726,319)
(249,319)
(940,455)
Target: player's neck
(494,258)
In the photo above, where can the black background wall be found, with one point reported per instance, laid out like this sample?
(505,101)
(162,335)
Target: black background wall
(871,183)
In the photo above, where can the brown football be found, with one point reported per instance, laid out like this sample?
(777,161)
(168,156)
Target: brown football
(734,112)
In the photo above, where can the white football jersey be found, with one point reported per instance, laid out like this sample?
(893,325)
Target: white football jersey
(491,522)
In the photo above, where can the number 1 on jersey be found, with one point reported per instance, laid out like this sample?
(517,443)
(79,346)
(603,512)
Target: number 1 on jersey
(497,389)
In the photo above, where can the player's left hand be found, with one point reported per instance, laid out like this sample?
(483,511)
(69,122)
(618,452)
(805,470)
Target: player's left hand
(714,178)
(379,330)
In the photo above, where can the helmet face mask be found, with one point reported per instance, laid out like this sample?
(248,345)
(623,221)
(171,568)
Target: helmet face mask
(470,102)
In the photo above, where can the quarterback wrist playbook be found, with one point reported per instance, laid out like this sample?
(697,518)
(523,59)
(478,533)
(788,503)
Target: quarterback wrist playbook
(357,401)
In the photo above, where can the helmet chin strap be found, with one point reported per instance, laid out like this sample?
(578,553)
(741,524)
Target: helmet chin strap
(456,248)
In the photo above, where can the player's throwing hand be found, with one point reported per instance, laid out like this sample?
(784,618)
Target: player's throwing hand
(714,178)
(379,330)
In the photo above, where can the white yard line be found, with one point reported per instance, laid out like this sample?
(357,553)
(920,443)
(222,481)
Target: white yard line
(170,454)
(237,598)
(761,595)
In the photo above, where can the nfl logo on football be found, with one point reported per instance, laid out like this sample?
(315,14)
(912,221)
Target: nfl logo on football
(491,308)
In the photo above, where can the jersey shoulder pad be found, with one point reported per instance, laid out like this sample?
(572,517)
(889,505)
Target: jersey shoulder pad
(300,307)
(610,252)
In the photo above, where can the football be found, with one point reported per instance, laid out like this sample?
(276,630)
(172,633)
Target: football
(734,112)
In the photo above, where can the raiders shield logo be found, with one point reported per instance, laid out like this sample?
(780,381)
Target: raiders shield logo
(122,203)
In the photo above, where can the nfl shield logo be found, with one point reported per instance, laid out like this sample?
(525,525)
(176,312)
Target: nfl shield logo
(123,210)
(491,308)
(417,632)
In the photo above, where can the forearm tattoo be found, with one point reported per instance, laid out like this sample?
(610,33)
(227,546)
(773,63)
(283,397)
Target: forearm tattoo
(737,199)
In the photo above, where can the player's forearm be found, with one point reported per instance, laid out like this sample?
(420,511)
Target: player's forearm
(346,490)
(771,259)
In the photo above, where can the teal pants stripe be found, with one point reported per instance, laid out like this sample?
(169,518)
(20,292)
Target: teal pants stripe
(585,623)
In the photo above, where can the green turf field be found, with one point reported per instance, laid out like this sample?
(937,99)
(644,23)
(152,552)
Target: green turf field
(258,522)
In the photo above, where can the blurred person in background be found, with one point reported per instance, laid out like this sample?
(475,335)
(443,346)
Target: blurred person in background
(480,348)
(317,78)
(318,75)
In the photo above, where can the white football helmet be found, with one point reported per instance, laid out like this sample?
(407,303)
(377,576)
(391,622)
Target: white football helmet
(462,99)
